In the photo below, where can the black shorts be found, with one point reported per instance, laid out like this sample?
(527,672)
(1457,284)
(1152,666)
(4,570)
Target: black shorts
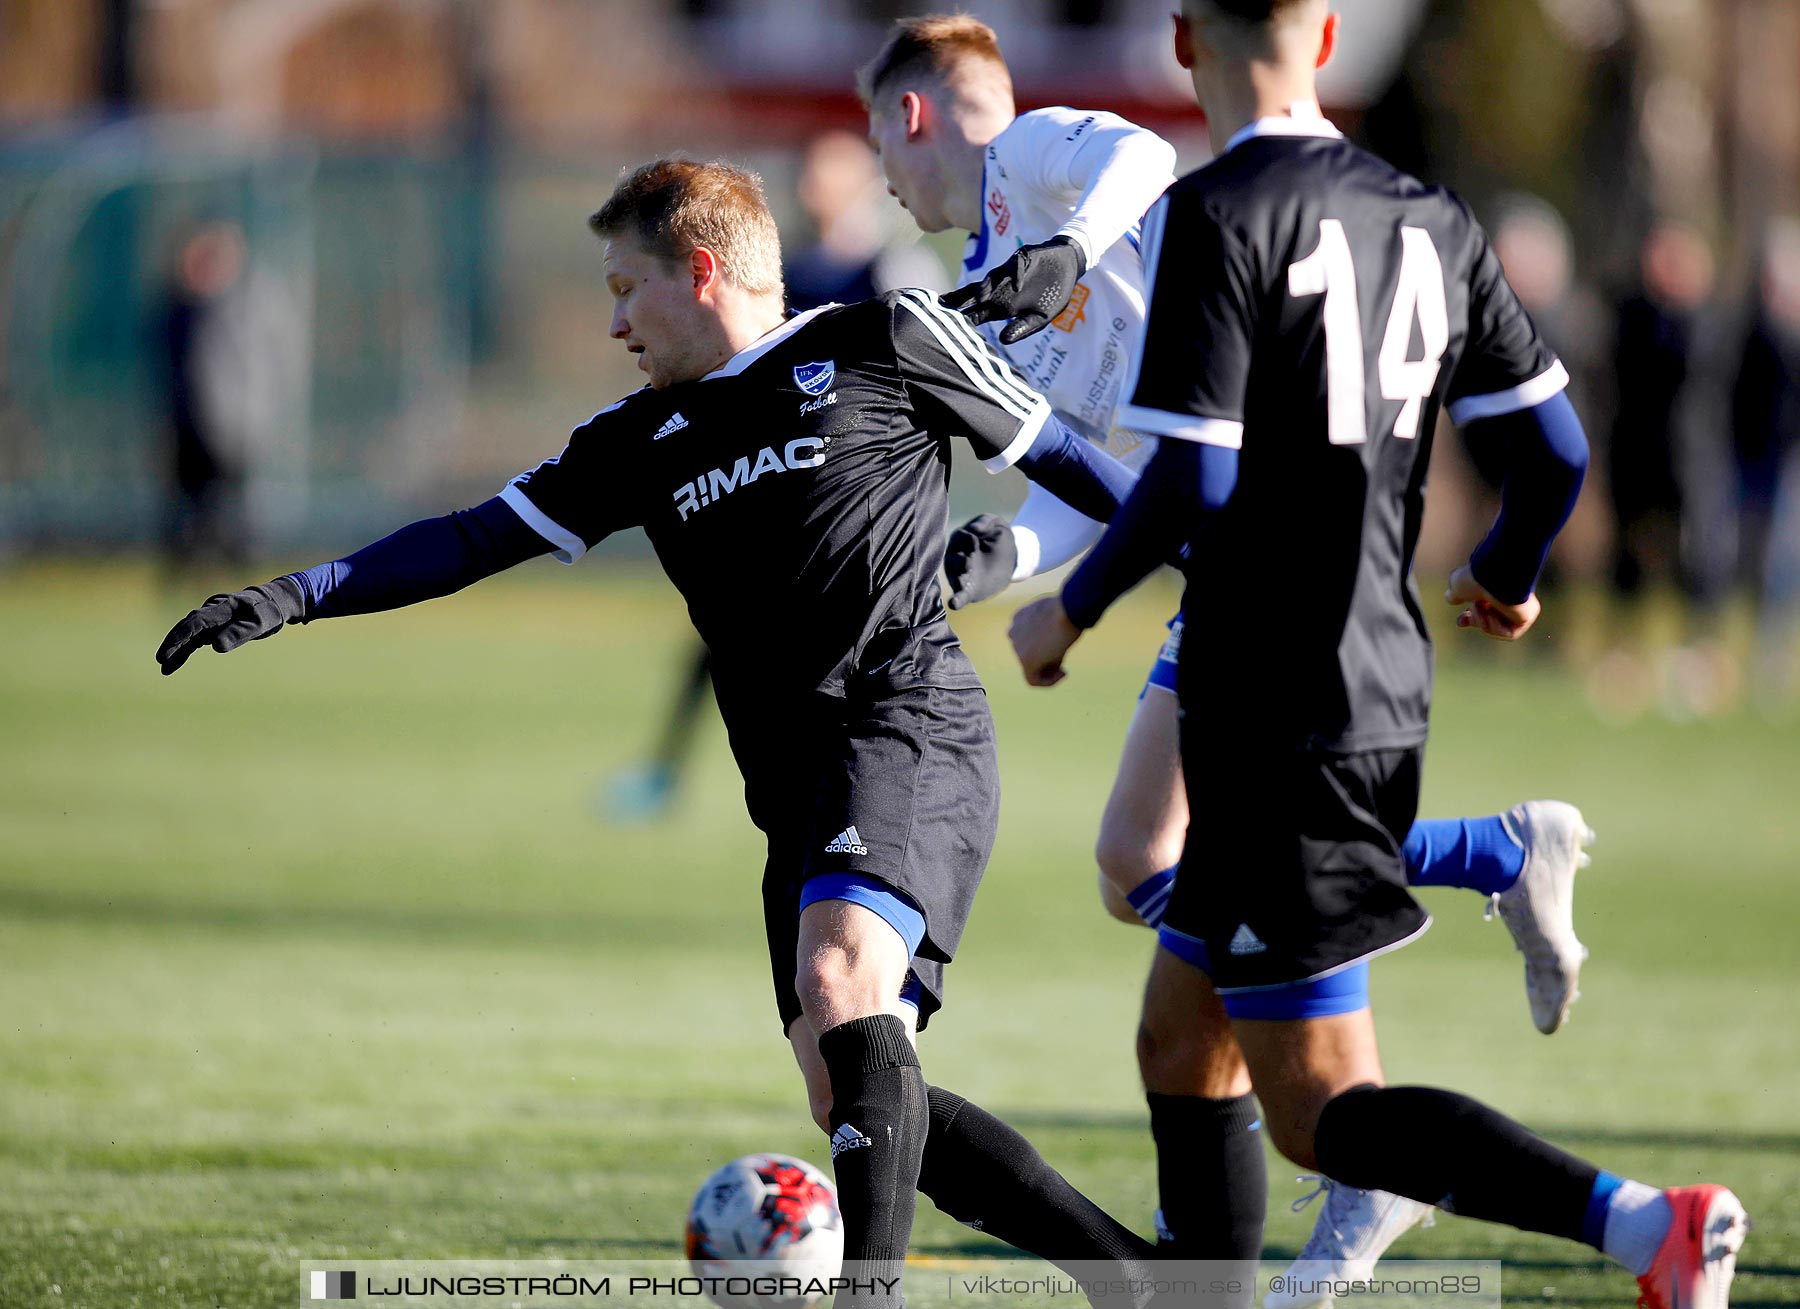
(1292,868)
(915,773)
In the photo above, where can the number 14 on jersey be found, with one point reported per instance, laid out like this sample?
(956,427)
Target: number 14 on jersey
(1330,271)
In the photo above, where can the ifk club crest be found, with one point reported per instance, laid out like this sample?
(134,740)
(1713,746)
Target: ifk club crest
(815,379)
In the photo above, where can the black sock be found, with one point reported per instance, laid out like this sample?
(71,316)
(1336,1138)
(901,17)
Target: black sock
(879,1124)
(982,1172)
(1212,1178)
(1454,1152)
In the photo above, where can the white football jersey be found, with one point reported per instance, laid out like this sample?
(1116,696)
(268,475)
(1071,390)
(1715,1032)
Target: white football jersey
(1091,176)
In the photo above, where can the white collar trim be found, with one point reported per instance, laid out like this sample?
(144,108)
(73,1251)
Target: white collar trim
(763,344)
(1303,119)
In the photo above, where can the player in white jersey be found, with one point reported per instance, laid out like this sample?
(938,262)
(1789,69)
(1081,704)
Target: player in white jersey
(1053,200)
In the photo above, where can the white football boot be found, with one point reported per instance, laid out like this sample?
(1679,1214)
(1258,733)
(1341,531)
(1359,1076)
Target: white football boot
(1538,909)
(1354,1230)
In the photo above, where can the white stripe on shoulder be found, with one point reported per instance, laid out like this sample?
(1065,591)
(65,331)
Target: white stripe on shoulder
(1523,396)
(1223,432)
(970,364)
(1026,438)
(949,326)
(616,404)
(984,350)
(568,546)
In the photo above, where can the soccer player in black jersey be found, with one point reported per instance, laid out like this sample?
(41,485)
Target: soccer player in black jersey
(1310,310)
(791,474)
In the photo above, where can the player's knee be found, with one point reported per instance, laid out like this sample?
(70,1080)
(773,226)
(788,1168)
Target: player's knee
(1294,1138)
(836,984)
(1162,1055)
(1291,1116)
(818,1101)
(1115,902)
(1123,853)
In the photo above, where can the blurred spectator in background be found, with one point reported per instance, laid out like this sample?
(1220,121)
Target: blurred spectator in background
(1765,413)
(1652,360)
(208,445)
(856,254)
(1665,417)
(1537,252)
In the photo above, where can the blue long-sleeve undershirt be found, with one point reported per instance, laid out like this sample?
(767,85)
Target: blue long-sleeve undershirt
(1076,471)
(438,556)
(1546,457)
(1183,481)
(422,561)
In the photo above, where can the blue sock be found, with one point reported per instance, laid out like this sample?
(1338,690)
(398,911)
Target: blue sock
(1593,1226)
(1151,896)
(1477,853)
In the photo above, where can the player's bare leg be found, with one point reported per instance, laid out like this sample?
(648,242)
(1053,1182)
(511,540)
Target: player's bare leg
(1526,858)
(850,966)
(1145,821)
(1320,1083)
(1212,1179)
(1300,1066)
(1185,1042)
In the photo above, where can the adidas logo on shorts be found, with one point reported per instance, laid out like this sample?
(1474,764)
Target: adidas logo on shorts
(1244,941)
(847,1138)
(671,427)
(848,841)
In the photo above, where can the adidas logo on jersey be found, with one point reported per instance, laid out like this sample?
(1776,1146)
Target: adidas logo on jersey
(1244,941)
(674,425)
(848,1138)
(848,841)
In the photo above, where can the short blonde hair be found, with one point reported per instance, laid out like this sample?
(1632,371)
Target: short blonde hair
(936,46)
(675,206)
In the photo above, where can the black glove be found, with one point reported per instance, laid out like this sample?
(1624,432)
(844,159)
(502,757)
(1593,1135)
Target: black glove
(1031,288)
(980,560)
(227,621)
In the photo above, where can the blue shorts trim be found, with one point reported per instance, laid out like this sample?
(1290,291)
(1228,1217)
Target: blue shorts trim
(895,909)
(1162,672)
(1345,991)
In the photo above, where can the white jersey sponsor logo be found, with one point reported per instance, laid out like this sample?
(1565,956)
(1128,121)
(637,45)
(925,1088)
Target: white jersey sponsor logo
(711,487)
(674,425)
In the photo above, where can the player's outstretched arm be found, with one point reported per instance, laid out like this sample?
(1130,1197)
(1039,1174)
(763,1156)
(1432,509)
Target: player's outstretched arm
(1545,457)
(425,560)
(227,621)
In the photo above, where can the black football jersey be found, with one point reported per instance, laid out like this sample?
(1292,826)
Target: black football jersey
(1313,308)
(796,496)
